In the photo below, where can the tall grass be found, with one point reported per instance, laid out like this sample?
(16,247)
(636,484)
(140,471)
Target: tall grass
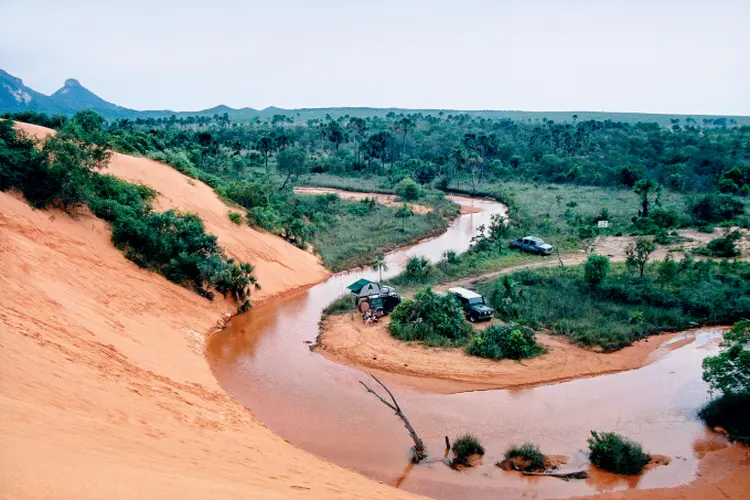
(355,240)
(625,308)
(342,305)
(464,447)
(527,452)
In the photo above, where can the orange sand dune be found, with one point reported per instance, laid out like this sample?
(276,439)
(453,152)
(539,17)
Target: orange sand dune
(279,267)
(104,392)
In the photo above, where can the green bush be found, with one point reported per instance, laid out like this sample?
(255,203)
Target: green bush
(715,208)
(729,412)
(418,268)
(408,189)
(614,453)
(724,246)
(729,371)
(504,342)
(235,217)
(341,305)
(527,452)
(464,447)
(596,270)
(436,319)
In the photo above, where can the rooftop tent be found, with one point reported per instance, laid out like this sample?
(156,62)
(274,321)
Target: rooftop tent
(364,288)
(358,285)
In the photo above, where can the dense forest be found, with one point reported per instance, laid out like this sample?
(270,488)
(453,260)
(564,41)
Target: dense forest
(451,151)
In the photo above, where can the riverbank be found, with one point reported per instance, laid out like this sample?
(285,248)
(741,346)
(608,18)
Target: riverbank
(346,339)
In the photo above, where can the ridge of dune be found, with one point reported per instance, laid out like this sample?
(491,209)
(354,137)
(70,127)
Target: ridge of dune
(279,266)
(104,390)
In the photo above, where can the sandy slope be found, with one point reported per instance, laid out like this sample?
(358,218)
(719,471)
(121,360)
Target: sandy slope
(279,267)
(104,392)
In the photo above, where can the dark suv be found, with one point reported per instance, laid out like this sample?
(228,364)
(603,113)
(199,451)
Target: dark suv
(473,304)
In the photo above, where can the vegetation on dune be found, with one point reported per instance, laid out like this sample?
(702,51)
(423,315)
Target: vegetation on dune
(527,452)
(464,447)
(728,373)
(624,307)
(614,453)
(62,171)
(433,318)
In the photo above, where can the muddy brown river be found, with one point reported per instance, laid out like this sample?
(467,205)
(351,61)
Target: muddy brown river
(263,361)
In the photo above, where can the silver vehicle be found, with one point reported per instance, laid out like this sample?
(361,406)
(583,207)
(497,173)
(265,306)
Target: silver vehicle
(532,244)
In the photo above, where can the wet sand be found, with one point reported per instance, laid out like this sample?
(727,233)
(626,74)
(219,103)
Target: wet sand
(346,339)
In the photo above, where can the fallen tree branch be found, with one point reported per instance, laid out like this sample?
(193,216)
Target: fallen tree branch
(581,474)
(420,453)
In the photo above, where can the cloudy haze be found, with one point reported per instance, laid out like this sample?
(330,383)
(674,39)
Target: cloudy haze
(627,55)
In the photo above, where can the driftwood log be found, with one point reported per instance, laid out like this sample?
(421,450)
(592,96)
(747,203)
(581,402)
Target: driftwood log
(581,474)
(420,453)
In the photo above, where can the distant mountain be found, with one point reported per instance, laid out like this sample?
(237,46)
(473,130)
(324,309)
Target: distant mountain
(75,96)
(72,97)
(15,96)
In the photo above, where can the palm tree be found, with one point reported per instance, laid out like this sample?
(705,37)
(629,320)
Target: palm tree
(380,265)
(644,188)
(402,213)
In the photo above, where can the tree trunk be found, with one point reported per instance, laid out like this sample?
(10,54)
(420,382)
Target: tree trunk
(420,453)
(285,181)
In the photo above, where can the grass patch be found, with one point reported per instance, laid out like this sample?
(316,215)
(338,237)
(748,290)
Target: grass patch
(235,217)
(527,452)
(464,447)
(563,216)
(355,240)
(624,307)
(342,305)
(614,453)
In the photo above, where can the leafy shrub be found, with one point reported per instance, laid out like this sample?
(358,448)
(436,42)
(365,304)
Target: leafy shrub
(341,305)
(731,413)
(436,319)
(724,246)
(464,447)
(665,218)
(418,268)
(264,218)
(715,208)
(729,371)
(235,217)
(450,257)
(504,341)
(596,270)
(527,452)
(614,453)
(408,189)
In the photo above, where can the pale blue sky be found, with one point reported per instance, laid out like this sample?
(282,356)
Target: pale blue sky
(681,56)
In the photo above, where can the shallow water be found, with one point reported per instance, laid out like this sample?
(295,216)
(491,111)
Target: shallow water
(263,361)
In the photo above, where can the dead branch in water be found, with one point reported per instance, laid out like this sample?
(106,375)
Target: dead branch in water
(581,474)
(419,450)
